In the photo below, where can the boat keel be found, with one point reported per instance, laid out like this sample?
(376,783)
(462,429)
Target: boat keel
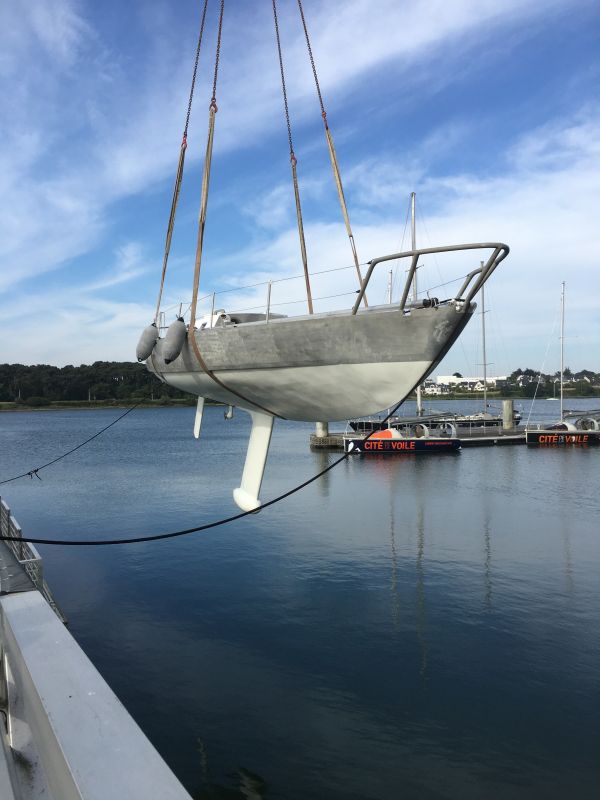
(198,417)
(246,495)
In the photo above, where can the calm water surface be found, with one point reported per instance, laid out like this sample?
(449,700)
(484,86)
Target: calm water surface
(411,627)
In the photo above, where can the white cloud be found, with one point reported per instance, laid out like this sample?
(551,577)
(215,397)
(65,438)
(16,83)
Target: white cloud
(86,126)
(90,125)
(545,206)
(79,323)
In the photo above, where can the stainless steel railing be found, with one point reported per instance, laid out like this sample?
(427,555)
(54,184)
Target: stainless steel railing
(25,553)
(473,281)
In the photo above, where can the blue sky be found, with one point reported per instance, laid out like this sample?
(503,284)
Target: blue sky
(488,110)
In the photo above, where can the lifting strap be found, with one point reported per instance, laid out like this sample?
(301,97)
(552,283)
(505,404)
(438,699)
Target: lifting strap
(212,111)
(293,162)
(332,155)
(179,175)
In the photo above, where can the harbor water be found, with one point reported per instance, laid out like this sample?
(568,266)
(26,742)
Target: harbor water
(404,627)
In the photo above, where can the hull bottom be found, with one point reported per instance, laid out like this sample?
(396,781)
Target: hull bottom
(311,394)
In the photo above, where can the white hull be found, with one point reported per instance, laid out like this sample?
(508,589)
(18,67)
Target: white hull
(312,394)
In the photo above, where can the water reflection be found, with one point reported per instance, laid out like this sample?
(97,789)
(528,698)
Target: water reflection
(487,562)
(421,610)
(395,593)
(400,628)
(322,459)
(246,784)
(565,534)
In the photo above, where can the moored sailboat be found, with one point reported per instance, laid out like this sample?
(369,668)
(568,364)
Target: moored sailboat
(573,428)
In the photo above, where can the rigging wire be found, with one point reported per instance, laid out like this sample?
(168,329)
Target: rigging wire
(537,386)
(208,525)
(395,274)
(421,216)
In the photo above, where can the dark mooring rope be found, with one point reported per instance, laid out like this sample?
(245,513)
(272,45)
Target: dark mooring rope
(186,531)
(34,472)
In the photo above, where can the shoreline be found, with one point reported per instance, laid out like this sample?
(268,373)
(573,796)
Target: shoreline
(184,403)
(100,406)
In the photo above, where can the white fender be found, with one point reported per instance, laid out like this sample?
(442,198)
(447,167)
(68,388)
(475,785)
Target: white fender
(246,495)
(146,343)
(174,340)
(198,417)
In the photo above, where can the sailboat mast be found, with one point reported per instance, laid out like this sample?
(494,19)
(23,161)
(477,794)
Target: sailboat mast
(562,346)
(413,235)
(484,353)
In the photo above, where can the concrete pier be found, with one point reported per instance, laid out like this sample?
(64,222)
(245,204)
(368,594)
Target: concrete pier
(508,418)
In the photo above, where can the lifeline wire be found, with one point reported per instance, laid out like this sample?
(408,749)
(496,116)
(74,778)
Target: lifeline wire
(206,526)
(34,472)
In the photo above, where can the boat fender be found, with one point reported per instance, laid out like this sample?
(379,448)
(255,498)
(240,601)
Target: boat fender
(589,424)
(148,339)
(448,429)
(174,340)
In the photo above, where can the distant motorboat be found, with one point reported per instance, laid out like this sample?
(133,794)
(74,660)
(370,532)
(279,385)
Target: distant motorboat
(411,439)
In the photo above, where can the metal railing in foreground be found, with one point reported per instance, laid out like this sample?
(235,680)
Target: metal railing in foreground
(64,735)
(25,553)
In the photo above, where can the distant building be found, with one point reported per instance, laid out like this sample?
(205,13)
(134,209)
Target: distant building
(475,384)
(431,388)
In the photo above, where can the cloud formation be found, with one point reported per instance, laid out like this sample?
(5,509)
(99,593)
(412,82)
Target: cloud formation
(91,120)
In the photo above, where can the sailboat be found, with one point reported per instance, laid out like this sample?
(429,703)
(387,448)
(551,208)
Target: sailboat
(313,367)
(574,428)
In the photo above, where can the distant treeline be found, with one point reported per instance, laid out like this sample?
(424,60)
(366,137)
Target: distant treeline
(103,381)
(107,382)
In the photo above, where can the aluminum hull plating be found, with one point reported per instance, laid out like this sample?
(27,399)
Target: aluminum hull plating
(320,367)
